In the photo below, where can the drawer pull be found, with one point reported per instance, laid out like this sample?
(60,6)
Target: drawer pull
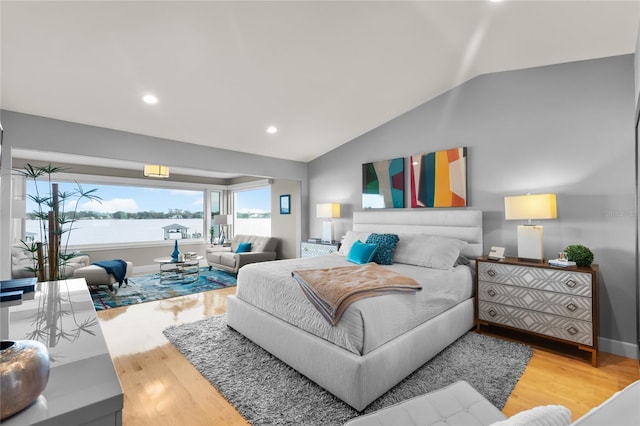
(572,307)
(491,273)
(492,313)
(572,330)
(570,283)
(491,292)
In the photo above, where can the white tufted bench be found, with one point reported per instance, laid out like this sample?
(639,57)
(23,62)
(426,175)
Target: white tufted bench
(95,275)
(456,404)
(461,404)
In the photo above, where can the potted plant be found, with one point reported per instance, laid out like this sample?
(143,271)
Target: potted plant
(55,220)
(579,254)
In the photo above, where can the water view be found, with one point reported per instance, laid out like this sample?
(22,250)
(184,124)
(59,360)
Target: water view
(105,231)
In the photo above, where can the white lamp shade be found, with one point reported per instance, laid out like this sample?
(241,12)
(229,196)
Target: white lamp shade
(221,219)
(536,206)
(156,170)
(328,210)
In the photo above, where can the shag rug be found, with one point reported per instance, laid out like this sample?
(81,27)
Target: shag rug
(266,391)
(145,288)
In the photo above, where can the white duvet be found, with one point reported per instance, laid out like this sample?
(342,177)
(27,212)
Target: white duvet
(367,323)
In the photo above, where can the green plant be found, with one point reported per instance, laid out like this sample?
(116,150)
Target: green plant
(579,254)
(55,220)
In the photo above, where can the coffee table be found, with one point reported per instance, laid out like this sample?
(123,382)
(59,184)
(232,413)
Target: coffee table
(184,272)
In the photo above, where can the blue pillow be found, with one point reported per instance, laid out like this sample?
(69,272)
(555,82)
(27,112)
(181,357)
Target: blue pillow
(361,253)
(386,246)
(243,248)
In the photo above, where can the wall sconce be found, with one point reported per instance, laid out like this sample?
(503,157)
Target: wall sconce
(156,171)
(528,207)
(328,211)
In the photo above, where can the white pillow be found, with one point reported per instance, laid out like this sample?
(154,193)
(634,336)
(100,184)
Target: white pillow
(350,238)
(430,251)
(545,415)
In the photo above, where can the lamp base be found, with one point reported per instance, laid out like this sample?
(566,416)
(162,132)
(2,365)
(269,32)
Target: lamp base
(327,232)
(530,242)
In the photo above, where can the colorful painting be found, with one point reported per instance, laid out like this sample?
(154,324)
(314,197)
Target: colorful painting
(439,179)
(383,184)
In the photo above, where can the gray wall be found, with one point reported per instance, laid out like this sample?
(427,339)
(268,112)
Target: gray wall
(31,132)
(564,128)
(286,227)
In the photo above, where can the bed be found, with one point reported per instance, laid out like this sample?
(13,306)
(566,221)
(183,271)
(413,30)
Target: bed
(364,355)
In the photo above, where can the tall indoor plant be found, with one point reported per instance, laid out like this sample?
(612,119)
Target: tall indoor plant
(56,220)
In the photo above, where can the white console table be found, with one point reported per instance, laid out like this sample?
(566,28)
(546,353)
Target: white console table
(83,386)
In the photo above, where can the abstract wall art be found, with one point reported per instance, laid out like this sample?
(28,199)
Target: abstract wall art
(383,184)
(439,179)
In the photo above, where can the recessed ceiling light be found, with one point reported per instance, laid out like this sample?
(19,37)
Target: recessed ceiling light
(150,99)
(272,129)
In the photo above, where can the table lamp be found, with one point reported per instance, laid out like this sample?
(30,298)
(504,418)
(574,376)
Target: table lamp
(530,207)
(222,220)
(328,211)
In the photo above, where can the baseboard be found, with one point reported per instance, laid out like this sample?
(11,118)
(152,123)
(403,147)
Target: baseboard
(145,269)
(628,350)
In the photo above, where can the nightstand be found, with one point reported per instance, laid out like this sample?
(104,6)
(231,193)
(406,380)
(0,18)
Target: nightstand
(309,249)
(551,302)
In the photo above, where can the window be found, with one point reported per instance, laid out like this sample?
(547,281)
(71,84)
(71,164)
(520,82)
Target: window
(125,214)
(214,231)
(252,212)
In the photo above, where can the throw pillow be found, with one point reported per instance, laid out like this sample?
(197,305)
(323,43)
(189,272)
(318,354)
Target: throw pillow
(361,253)
(348,240)
(243,248)
(545,415)
(386,245)
(430,251)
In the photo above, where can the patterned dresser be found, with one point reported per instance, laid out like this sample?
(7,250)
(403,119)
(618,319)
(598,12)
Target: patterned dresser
(552,302)
(309,249)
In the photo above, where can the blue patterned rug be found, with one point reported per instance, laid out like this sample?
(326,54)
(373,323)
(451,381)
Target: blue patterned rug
(145,288)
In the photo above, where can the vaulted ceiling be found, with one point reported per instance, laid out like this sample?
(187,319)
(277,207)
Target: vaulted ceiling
(322,72)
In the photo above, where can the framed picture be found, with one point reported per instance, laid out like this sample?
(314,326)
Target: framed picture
(439,179)
(383,184)
(285,204)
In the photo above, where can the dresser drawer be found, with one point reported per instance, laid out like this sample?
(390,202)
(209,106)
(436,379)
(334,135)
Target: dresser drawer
(538,322)
(316,249)
(556,280)
(565,305)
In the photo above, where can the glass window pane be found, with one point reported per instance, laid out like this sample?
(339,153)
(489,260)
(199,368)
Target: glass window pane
(124,214)
(252,212)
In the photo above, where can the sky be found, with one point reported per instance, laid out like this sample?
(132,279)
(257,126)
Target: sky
(133,199)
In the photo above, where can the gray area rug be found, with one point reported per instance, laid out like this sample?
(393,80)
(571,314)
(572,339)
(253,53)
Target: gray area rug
(268,392)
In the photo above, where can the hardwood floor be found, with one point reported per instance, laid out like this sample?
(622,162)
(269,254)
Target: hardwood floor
(162,388)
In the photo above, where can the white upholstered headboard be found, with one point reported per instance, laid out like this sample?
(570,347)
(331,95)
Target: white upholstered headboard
(463,224)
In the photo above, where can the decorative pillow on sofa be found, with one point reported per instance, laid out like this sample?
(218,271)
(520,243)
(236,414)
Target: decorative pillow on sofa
(545,415)
(350,238)
(386,245)
(430,251)
(243,248)
(361,253)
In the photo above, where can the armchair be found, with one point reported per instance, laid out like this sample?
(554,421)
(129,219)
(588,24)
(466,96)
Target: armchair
(21,261)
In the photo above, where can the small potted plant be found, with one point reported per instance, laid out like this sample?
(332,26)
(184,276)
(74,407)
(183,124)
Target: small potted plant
(211,234)
(579,254)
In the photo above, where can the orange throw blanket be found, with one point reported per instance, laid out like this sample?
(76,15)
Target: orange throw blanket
(332,290)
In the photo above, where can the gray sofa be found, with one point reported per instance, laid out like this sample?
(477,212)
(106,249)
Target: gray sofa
(226,258)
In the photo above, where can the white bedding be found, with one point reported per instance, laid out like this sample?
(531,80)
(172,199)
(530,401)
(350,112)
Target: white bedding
(366,324)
